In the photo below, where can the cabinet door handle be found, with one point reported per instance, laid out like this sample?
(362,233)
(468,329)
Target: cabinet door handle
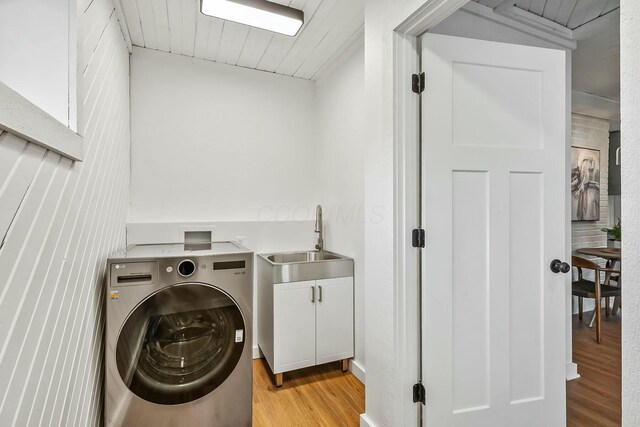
(320,294)
(313,294)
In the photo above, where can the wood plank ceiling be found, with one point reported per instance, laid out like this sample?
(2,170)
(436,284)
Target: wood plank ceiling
(177,26)
(568,13)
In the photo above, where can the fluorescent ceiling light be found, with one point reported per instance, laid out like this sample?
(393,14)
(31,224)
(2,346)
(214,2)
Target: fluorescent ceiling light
(256,13)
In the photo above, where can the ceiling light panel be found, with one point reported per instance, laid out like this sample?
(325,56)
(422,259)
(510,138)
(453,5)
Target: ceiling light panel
(256,13)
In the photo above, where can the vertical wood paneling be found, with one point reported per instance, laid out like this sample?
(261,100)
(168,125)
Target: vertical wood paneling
(233,38)
(190,12)
(177,26)
(254,47)
(130,8)
(551,9)
(569,13)
(147,22)
(60,220)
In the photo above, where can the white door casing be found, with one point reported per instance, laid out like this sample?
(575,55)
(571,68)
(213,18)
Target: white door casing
(494,213)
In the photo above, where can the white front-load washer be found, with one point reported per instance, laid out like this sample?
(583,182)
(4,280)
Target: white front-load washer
(178,336)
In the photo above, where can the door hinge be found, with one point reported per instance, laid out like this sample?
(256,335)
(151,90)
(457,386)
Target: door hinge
(417,83)
(419,393)
(418,238)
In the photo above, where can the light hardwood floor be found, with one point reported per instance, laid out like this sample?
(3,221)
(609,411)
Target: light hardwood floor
(594,400)
(318,396)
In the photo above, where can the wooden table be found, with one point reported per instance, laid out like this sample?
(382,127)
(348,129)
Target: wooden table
(612,255)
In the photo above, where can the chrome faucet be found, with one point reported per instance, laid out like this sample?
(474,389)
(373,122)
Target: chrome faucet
(320,245)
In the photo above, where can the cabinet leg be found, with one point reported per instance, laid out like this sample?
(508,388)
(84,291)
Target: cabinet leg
(279,379)
(345,365)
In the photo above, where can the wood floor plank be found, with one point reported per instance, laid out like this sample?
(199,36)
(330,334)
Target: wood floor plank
(595,398)
(318,396)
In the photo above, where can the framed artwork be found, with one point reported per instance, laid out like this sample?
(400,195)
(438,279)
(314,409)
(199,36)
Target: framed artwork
(585,184)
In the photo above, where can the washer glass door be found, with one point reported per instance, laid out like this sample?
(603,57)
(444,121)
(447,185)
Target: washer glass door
(180,343)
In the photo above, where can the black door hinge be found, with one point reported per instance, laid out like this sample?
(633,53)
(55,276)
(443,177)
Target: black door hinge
(417,83)
(418,238)
(419,393)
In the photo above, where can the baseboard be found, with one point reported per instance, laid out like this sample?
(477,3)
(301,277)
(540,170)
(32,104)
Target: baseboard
(357,370)
(365,421)
(572,371)
(257,354)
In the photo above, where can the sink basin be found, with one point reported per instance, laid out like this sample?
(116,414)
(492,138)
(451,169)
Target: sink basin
(306,265)
(312,256)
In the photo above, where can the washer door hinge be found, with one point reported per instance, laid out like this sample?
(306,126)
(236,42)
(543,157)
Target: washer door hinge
(417,83)
(418,238)
(419,393)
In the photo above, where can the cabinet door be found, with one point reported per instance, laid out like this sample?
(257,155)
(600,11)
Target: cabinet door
(334,319)
(294,325)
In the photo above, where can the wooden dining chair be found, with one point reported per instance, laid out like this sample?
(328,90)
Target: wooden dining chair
(594,289)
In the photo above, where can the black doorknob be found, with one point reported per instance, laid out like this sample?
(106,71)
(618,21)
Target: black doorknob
(558,266)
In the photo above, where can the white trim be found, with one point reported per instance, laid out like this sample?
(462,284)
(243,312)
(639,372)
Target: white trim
(525,22)
(572,371)
(365,421)
(73,95)
(427,16)
(594,106)
(407,258)
(357,370)
(536,21)
(22,118)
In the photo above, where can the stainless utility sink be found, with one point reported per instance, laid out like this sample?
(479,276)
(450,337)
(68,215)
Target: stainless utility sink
(307,265)
(311,256)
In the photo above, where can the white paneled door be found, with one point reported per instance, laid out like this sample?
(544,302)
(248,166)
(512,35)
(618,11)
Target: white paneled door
(494,211)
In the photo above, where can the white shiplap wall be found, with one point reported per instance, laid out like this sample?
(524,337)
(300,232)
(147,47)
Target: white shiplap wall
(58,222)
(591,132)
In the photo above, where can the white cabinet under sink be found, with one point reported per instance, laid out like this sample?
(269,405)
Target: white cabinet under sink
(334,320)
(306,323)
(294,325)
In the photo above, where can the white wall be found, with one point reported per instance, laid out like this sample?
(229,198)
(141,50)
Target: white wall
(249,154)
(630,132)
(213,142)
(340,173)
(64,220)
(37,54)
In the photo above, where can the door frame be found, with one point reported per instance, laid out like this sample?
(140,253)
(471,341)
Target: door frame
(405,30)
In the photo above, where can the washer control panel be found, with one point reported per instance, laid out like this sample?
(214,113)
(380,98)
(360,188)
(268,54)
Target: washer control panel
(176,270)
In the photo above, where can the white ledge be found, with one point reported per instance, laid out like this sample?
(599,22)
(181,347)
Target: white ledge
(20,117)
(594,106)
(527,23)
